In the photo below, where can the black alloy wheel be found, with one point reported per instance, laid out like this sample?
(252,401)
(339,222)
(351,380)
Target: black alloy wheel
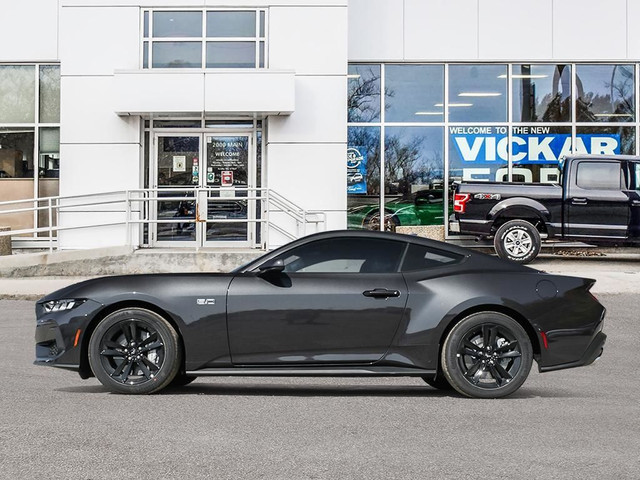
(487,355)
(135,351)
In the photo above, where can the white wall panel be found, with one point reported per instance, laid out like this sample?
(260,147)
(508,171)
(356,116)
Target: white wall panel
(310,40)
(94,237)
(516,31)
(589,29)
(376,30)
(633,32)
(87,114)
(320,113)
(98,40)
(441,30)
(313,176)
(200,3)
(98,168)
(29,30)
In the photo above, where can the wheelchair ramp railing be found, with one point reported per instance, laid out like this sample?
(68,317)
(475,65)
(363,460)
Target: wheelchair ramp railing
(37,222)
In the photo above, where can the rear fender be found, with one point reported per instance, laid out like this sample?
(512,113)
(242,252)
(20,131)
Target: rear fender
(520,208)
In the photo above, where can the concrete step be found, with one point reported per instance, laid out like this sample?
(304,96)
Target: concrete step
(123,260)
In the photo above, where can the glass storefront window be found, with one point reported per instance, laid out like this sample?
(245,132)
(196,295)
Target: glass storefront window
(535,151)
(606,140)
(541,93)
(477,93)
(177,55)
(49,94)
(478,153)
(605,93)
(363,95)
(363,177)
(231,55)
(412,93)
(17,93)
(177,24)
(16,152)
(414,175)
(230,39)
(231,24)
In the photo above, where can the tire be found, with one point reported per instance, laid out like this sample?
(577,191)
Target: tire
(518,241)
(487,355)
(372,222)
(181,379)
(151,361)
(438,382)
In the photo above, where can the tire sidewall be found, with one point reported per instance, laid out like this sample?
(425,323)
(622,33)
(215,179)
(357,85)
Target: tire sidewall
(511,226)
(449,359)
(172,351)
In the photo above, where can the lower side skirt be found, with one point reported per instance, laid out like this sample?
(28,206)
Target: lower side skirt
(314,372)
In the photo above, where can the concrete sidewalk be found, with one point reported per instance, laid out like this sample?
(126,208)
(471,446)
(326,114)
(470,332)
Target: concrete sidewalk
(614,273)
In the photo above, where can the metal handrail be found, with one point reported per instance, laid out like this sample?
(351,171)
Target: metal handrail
(137,201)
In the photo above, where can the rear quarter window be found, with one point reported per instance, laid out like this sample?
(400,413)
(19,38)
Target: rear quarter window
(420,257)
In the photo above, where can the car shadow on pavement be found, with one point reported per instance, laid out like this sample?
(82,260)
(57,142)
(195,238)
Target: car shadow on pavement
(315,390)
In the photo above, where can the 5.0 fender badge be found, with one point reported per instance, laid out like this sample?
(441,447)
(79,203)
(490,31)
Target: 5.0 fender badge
(206,301)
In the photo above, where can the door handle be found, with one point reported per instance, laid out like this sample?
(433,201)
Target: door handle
(381,293)
(579,201)
(635,203)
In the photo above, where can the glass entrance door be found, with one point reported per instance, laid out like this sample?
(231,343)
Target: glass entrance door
(229,173)
(177,177)
(207,201)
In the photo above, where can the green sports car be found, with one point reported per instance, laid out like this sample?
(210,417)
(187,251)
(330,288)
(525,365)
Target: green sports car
(425,207)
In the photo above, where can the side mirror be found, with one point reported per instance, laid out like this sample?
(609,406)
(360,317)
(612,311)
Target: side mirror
(271,266)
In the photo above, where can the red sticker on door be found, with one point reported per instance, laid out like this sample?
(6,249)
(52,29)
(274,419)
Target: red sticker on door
(226,178)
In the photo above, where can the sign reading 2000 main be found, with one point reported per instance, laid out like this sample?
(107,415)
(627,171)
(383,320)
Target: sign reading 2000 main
(481,148)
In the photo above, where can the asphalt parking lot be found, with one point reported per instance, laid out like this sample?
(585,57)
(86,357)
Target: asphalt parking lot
(581,423)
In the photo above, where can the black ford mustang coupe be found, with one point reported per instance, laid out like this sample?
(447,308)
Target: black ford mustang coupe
(347,303)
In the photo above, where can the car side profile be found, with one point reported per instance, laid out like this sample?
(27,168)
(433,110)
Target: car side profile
(344,303)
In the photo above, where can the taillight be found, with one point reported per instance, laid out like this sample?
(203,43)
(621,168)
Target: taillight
(460,202)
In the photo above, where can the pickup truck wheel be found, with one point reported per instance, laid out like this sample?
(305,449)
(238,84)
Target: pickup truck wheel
(518,241)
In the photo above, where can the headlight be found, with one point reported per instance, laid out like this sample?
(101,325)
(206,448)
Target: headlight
(61,305)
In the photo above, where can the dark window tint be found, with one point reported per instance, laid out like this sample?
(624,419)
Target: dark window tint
(599,176)
(419,257)
(345,255)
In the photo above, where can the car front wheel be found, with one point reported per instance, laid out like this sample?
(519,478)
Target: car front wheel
(135,351)
(487,355)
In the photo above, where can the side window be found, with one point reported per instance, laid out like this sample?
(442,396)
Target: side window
(419,257)
(599,176)
(345,255)
(636,175)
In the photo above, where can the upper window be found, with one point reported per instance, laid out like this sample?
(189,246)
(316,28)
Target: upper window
(204,39)
(477,93)
(345,255)
(606,93)
(542,93)
(599,176)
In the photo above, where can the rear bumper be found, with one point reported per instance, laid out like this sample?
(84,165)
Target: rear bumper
(592,353)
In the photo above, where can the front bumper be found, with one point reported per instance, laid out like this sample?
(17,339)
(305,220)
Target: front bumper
(59,335)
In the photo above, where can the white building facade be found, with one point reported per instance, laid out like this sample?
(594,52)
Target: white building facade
(245,124)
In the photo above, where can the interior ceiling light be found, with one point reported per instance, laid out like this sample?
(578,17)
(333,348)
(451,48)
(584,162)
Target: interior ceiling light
(429,113)
(455,105)
(353,75)
(479,94)
(612,115)
(518,75)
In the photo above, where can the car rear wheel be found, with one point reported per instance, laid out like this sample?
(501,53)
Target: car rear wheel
(518,241)
(487,355)
(135,351)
